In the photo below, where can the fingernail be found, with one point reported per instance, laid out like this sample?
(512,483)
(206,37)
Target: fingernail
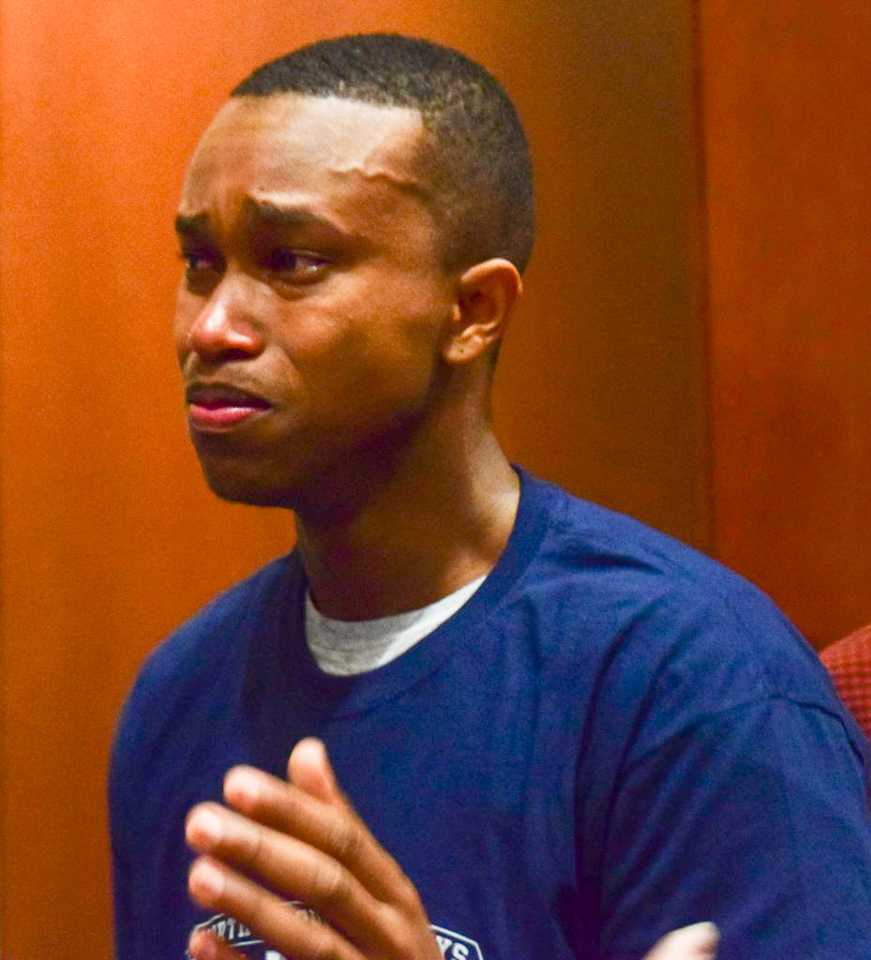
(201,947)
(319,751)
(206,880)
(205,827)
(240,787)
(703,938)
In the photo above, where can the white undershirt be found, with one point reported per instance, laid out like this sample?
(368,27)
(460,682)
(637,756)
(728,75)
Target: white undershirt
(346,647)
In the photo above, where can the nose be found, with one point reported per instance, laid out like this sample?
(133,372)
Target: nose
(225,327)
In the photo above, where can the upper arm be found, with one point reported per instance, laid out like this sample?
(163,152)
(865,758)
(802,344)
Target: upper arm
(754,818)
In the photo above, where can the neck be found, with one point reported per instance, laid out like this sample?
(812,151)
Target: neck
(438,517)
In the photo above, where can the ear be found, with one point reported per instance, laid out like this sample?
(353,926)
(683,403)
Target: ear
(486,297)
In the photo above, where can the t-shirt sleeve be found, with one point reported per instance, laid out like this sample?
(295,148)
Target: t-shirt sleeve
(122,829)
(752,817)
(124,933)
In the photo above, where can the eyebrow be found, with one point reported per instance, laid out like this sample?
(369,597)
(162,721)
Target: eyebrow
(191,224)
(270,213)
(267,212)
(274,213)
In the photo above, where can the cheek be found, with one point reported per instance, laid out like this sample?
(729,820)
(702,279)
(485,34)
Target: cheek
(359,371)
(181,325)
(405,312)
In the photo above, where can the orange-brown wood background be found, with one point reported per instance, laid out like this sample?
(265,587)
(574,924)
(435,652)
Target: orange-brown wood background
(616,381)
(787,147)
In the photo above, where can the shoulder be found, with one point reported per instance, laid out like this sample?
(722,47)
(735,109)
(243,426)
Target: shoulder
(210,636)
(622,556)
(194,669)
(644,610)
(671,649)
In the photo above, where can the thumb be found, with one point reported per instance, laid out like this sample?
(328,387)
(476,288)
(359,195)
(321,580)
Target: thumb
(696,942)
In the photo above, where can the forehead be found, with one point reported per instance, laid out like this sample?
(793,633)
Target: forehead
(293,146)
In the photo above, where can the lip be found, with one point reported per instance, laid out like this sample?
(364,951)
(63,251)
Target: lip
(219,407)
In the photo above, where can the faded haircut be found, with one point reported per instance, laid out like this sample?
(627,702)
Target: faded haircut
(475,155)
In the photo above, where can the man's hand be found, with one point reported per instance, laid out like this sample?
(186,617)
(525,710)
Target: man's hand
(303,841)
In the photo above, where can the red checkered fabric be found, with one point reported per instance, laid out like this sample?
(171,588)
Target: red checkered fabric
(849,663)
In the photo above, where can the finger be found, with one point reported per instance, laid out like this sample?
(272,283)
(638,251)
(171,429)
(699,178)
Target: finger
(309,769)
(205,945)
(696,942)
(333,829)
(293,932)
(292,867)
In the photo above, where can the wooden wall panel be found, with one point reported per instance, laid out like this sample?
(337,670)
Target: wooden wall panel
(107,535)
(604,379)
(787,141)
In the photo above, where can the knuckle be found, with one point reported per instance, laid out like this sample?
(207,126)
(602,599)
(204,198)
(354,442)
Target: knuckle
(332,882)
(408,899)
(345,841)
(401,939)
(255,914)
(322,944)
(251,853)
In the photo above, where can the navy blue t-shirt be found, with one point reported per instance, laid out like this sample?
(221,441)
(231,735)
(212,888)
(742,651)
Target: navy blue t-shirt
(614,737)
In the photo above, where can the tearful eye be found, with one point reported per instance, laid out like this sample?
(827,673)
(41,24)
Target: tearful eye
(196,261)
(293,264)
(202,270)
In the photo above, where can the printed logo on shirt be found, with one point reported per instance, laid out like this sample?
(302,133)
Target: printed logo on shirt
(241,938)
(453,946)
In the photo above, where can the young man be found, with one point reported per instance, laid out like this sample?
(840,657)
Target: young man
(571,733)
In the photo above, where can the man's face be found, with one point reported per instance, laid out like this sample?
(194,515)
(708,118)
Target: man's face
(313,304)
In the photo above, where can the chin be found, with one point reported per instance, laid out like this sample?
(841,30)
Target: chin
(246,486)
(334,487)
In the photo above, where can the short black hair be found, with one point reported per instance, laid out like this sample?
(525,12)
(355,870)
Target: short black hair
(476,156)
